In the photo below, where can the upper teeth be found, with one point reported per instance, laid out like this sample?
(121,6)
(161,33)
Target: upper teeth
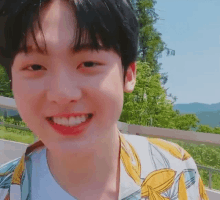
(70,121)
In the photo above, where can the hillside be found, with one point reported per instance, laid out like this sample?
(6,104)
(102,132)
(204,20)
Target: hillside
(196,107)
(207,114)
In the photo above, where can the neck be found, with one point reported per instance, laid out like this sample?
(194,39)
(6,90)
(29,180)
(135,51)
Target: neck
(99,164)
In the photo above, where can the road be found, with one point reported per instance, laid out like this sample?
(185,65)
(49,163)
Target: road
(10,150)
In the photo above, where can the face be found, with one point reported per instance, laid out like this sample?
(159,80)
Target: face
(68,82)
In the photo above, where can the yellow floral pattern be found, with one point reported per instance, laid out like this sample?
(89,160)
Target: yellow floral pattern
(157,181)
(164,183)
(130,160)
(182,188)
(19,170)
(202,191)
(172,148)
(155,195)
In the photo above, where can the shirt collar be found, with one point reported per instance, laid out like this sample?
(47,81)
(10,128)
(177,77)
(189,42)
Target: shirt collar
(130,167)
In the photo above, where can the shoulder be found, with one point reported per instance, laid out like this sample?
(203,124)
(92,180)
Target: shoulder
(167,162)
(9,166)
(176,163)
(167,148)
(161,146)
(6,172)
(170,147)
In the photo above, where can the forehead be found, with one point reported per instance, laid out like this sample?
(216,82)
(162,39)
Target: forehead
(58,31)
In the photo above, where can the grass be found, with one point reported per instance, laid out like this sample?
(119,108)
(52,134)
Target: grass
(16,135)
(204,155)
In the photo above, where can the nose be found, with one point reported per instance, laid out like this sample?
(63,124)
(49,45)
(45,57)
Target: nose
(64,88)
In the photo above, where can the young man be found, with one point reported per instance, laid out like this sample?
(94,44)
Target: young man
(71,62)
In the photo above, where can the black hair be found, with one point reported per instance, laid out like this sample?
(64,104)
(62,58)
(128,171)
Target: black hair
(111,22)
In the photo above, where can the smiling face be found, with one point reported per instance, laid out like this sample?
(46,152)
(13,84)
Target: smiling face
(64,81)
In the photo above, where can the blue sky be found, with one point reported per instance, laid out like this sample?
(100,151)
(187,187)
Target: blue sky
(192,29)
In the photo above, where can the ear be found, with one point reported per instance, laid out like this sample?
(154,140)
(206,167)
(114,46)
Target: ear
(130,79)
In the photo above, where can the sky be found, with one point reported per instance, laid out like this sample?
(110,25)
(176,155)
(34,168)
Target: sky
(192,29)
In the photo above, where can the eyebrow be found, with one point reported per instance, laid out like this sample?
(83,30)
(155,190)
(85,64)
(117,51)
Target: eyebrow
(83,47)
(30,50)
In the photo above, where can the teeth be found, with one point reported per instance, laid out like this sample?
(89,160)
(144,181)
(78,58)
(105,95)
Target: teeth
(78,120)
(72,121)
(83,118)
(54,119)
(65,121)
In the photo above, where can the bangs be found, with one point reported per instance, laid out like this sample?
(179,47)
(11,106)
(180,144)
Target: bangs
(96,28)
(99,24)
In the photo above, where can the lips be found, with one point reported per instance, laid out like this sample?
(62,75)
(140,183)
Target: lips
(70,131)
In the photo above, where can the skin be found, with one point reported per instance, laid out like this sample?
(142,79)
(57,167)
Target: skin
(64,84)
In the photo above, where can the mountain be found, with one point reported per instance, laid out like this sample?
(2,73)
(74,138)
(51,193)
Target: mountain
(211,118)
(208,114)
(196,107)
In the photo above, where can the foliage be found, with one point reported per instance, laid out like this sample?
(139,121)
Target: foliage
(204,129)
(10,120)
(151,45)
(147,104)
(186,122)
(216,130)
(16,136)
(4,83)
(135,103)
(208,129)
(204,155)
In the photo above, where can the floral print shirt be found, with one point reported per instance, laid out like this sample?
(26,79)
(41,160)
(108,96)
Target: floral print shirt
(150,169)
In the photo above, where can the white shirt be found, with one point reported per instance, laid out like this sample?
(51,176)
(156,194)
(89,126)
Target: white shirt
(43,184)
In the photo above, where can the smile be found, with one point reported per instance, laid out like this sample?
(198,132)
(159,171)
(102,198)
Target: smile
(71,125)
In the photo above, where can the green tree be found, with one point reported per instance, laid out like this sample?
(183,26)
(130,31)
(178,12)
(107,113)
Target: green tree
(204,129)
(147,104)
(186,121)
(160,109)
(216,130)
(135,103)
(151,45)
(4,83)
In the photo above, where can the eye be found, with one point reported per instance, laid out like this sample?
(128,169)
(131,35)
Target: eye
(90,64)
(34,67)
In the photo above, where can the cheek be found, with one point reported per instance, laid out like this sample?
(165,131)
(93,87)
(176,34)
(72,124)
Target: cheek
(108,98)
(27,98)
(25,86)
